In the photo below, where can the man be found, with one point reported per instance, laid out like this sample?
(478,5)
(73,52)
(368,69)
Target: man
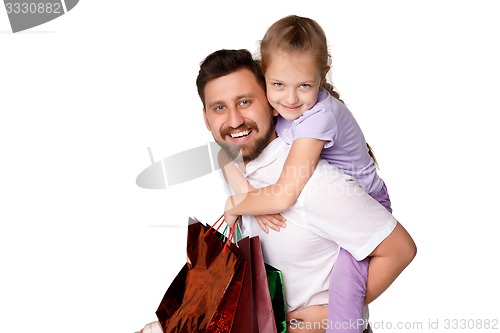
(331,211)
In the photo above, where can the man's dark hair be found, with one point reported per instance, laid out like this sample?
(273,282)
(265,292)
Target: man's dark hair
(223,62)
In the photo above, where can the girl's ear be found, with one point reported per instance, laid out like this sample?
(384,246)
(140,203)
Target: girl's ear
(323,78)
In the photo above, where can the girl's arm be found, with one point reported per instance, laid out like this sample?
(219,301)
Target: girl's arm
(239,184)
(388,260)
(299,166)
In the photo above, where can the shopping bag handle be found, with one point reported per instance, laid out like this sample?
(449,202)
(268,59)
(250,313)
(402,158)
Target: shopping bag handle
(212,226)
(234,229)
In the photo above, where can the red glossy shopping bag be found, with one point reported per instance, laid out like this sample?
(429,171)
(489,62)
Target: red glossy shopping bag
(255,309)
(244,316)
(204,295)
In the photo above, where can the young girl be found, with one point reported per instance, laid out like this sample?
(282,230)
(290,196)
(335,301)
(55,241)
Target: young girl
(295,61)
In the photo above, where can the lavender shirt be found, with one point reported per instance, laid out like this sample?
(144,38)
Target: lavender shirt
(345,145)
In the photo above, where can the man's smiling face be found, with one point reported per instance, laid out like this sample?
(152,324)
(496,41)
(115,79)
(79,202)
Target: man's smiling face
(239,115)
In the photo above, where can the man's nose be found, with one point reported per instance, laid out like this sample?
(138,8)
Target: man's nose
(235,118)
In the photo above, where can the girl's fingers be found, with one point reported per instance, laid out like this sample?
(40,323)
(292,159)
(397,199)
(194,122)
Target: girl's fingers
(262,225)
(277,220)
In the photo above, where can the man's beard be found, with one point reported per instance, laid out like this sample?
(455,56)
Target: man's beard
(236,152)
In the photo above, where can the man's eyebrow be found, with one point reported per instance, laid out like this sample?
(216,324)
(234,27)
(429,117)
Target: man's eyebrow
(212,104)
(244,96)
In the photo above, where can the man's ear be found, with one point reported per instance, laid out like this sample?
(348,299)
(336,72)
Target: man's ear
(205,119)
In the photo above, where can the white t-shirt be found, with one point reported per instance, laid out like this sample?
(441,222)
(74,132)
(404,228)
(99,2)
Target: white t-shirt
(331,211)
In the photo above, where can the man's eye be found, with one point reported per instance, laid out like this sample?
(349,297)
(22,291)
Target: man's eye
(219,108)
(278,85)
(245,102)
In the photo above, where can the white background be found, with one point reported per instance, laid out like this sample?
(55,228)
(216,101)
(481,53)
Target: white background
(83,249)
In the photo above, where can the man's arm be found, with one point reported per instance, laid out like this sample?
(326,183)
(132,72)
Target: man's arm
(388,260)
(232,174)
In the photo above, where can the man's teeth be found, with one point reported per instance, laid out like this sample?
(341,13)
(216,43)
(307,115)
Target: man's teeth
(240,134)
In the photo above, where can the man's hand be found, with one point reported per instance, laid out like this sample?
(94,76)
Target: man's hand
(230,219)
(273,221)
(309,319)
(388,260)
(153,327)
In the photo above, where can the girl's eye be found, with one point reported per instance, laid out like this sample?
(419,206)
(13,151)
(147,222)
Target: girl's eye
(278,85)
(305,85)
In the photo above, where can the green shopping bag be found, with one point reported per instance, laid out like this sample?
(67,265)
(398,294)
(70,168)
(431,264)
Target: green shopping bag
(277,293)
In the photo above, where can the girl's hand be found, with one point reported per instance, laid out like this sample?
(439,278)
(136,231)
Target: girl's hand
(273,221)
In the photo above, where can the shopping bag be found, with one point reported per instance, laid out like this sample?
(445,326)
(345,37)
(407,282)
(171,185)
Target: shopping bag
(201,296)
(277,293)
(245,319)
(226,314)
(261,295)
(254,313)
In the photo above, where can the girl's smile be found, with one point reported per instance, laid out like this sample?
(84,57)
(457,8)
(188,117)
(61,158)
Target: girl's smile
(293,82)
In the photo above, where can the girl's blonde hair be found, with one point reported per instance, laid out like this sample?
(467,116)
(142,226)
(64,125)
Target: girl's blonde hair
(296,35)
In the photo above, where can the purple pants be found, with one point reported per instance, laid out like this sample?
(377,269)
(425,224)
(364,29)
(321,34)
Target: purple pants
(348,286)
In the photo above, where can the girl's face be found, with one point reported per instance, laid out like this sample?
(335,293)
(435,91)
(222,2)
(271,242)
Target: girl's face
(293,82)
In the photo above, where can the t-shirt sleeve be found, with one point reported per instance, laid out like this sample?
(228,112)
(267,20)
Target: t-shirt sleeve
(340,210)
(317,123)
